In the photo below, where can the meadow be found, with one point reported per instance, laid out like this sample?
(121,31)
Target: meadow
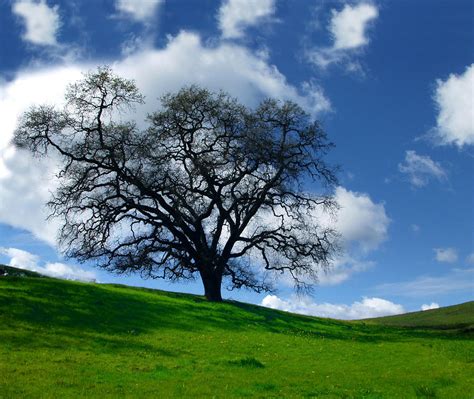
(64,339)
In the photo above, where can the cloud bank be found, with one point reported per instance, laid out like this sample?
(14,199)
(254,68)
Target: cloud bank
(363,226)
(368,307)
(25,183)
(28,261)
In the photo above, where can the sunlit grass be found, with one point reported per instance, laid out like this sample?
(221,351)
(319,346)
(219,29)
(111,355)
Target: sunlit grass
(66,339)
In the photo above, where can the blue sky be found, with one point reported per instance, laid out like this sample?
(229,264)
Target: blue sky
(391,81)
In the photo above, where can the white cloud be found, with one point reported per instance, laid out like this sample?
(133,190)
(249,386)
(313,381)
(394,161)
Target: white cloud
(367,308)
(420,169)
(228,66)
(457,280)
(348,29)
(20,259)
(315,95)
(360,220)
(25,183)
(454,99)
(348,26)
(342,269)
(139,10)
(362,225)
(235,15)
(448,255)
(24,192)
(41,21)
(432,305)
(28,261)
(61,270)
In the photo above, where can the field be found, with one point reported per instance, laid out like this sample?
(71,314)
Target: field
(460,317)
(66,339)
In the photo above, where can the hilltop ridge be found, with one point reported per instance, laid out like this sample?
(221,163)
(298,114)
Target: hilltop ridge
(17,272)
(460,316)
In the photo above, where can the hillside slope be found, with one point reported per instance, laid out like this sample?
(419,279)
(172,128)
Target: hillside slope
(67,339)
(15,272)
(450,317)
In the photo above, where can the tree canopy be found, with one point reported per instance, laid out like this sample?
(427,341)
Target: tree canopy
(209,188)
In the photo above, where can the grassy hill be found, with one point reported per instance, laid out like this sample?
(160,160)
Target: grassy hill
(66,339)
(459,317)
(15,272)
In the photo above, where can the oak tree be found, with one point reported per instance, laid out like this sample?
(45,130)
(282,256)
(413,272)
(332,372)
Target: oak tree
(209,187)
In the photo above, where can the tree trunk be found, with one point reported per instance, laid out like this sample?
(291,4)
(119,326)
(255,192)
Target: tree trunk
(212,286)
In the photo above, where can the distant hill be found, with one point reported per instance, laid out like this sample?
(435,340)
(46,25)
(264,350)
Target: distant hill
(62,338)
(450,317)
(16,272)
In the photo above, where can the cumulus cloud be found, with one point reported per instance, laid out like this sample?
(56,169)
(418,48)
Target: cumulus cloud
(139,10)
(228,66)
(447,255)
(348,29)
(367,308)
(360,220)
(41,21)
(348,26)
(20,259)
(24,192)
(421,169)
(25,260)
(68,272)
(454,99)
(235,15)
(25,183)
(457,280)
(29,88)
(362,225)
(432,305)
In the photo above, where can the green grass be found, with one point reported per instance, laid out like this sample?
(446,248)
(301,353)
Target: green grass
(458,317)
(62,339)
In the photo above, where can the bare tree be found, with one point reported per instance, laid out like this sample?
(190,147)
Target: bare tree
(211,187)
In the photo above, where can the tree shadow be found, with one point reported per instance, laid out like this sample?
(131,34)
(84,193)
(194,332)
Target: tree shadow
(124,312)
